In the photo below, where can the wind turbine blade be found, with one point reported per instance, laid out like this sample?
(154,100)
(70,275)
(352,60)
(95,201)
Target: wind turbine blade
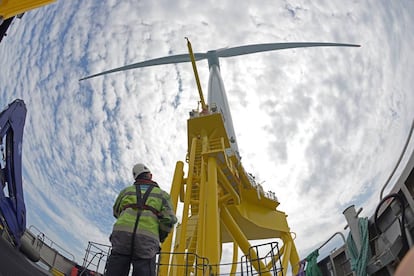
(256,48)
(152,62)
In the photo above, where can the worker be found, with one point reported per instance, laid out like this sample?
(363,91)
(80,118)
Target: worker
(144,216)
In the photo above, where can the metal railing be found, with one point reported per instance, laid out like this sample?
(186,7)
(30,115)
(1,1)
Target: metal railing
(45,240)
(271,260)
(96,255)
(267,254)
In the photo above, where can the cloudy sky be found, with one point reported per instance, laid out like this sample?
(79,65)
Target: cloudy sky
(321,127)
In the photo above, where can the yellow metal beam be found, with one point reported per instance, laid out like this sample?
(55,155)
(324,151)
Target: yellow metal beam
(241,240)
(10,8)
(228,187)
(200,91)
(286,257)
(175,190)
(235,259)
(201,210)
(212,236)
(187,198)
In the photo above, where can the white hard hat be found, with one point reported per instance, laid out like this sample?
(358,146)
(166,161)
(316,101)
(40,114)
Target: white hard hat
(139,169)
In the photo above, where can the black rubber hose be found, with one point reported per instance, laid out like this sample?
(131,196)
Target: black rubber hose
(402,221)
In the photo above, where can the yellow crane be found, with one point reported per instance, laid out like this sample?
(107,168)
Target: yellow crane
(10,8)
(221,202)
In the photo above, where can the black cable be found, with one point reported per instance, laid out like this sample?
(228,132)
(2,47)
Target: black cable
(402,221)
(139,211)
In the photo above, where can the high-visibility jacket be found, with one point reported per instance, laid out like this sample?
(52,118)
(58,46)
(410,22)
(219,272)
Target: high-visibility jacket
(159,215)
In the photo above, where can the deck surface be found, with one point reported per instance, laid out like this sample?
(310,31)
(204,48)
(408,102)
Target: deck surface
(13,262)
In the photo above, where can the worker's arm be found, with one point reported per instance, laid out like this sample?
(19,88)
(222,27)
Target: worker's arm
(117,205)
(167,217)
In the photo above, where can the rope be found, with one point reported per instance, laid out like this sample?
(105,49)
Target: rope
(359,260)
(312,268)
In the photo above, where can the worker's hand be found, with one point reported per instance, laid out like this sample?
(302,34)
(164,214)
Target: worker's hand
(163,236)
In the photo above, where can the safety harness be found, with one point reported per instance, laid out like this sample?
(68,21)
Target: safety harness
(140,206)
(143,207)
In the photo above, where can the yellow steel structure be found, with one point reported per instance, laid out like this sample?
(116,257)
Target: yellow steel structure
(10,8)
(221,204)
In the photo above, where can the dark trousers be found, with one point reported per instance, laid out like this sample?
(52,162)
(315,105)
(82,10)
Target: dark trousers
(118,265)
